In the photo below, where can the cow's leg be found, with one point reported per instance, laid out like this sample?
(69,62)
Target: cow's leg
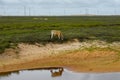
(51,35)
(59,36)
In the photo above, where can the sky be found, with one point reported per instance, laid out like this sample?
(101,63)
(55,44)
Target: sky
(59,7)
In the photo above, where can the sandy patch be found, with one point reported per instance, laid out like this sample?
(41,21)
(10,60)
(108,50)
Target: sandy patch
(38,55)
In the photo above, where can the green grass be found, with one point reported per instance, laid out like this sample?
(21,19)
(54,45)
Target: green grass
(30,30)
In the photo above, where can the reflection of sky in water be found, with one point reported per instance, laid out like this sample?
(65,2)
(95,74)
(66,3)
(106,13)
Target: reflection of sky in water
(67,75)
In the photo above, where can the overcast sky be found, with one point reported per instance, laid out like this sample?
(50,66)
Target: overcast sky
(59,7)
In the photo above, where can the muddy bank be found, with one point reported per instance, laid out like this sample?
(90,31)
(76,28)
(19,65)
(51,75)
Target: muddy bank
(94,56)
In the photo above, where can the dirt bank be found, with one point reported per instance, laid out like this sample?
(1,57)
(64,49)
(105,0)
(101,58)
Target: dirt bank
(95,56)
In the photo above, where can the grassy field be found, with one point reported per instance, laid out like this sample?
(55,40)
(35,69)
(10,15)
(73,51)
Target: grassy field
(14,30)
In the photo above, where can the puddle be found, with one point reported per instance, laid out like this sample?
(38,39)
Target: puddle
(57,74)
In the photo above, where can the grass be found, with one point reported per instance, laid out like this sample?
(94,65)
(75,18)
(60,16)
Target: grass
(37,29)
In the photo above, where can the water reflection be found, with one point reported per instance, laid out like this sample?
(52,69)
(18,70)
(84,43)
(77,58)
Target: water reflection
(56,74)
(55,71)
(7,74)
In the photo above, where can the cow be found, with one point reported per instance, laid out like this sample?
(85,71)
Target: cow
(57,33)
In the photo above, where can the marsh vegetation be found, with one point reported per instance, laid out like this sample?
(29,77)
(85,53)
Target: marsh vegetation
(14,30)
